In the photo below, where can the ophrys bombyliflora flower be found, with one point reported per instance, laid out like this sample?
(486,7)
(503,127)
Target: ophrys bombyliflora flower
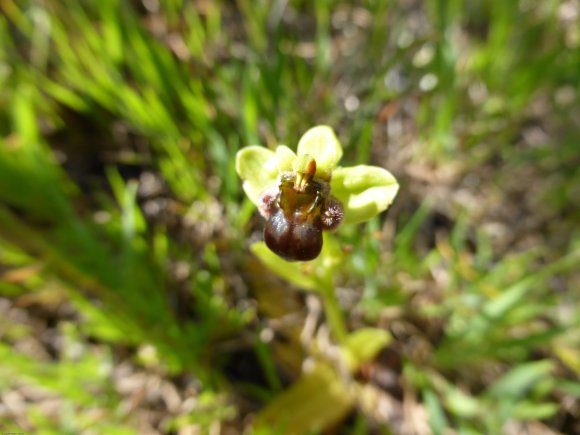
(303,194)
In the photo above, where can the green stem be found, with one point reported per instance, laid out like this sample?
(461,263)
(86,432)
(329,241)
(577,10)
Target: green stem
(334,315)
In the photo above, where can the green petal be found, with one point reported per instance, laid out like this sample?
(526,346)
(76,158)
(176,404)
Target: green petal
(364,191)
(258,168)
(285,157)
(322,144)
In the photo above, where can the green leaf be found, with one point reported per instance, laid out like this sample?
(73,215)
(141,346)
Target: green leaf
(530,410)
(570,387)
(508,299)
(437,419)
(517,381)
(321,143)
(364,191)
(258,167)
(569,355)
(363,344)
(320,398)
(291,272)
(462,404)
(316,401)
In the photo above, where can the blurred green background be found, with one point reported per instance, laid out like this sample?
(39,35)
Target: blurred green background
(129,299)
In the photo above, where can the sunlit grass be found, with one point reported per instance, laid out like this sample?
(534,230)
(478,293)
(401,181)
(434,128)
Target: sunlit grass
(474,107)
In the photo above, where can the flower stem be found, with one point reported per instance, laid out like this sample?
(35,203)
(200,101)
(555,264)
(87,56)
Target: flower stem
(334,315)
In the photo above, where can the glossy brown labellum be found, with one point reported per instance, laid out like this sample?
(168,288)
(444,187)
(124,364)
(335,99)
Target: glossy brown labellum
(293,239)
(294,228)
(297,214)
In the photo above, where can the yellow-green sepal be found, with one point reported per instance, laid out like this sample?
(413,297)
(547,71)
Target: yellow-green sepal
(285,158)
(322,144)
(258,168)
(364,191)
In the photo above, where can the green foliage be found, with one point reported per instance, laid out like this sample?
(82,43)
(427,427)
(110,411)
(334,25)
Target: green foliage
(469,280)
(321,398)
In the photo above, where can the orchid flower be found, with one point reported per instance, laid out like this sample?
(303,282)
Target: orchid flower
(304,193)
